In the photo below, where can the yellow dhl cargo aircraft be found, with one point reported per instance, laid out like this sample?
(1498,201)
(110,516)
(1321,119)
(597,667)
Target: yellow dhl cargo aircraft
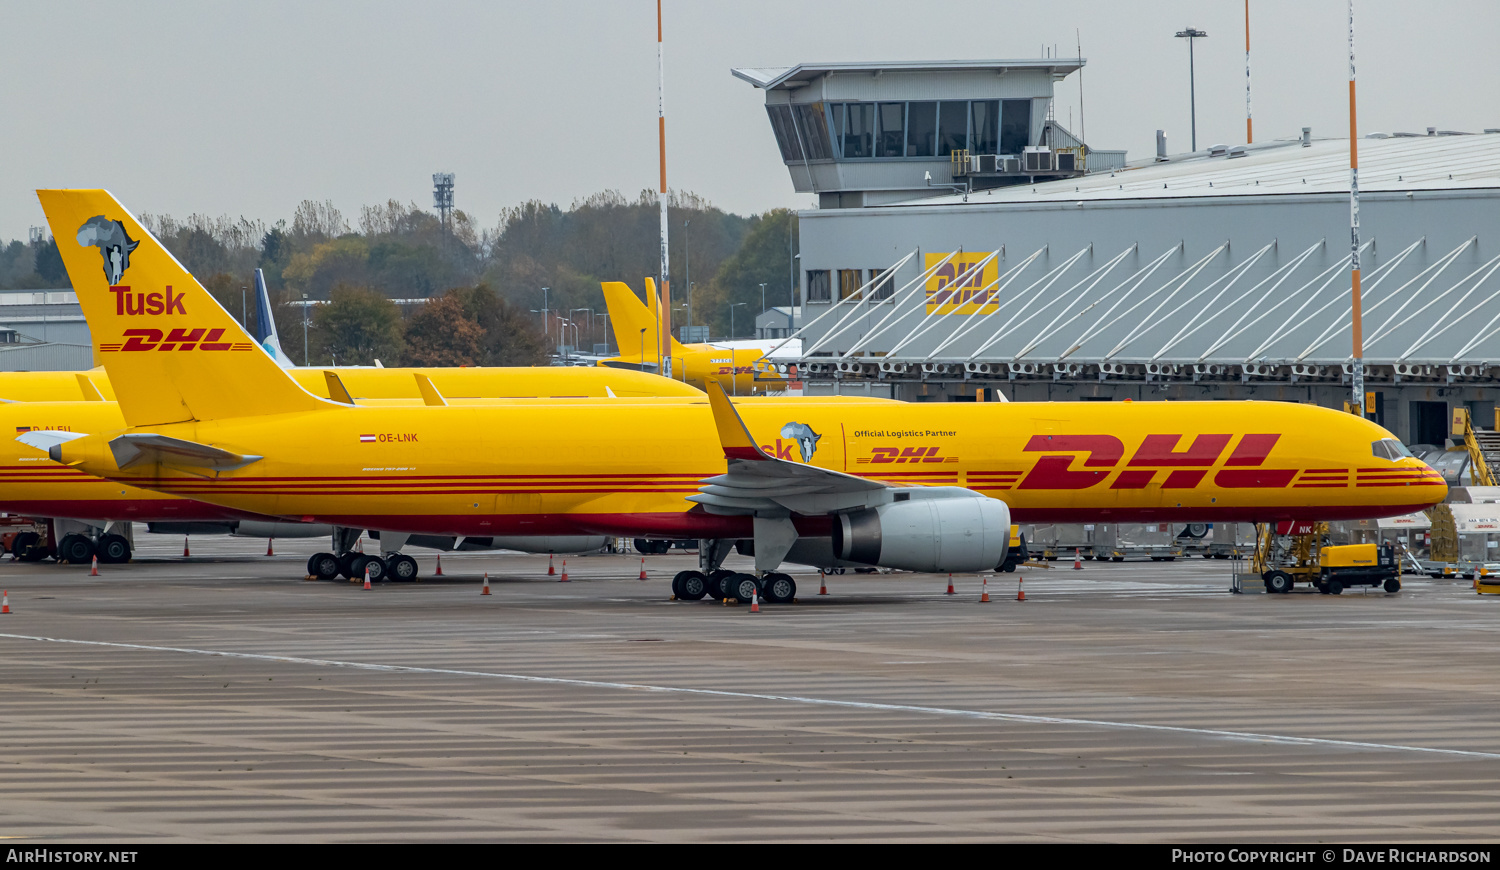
(739,367)
(923,487)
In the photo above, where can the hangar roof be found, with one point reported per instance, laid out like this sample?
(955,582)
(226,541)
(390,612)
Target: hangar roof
(1396,164)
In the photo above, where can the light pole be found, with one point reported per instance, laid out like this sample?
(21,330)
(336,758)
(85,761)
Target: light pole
(643,349)
(687,272)
(304,329)
(1191,34)
(762,298)
(731,318)
(244,311)
(605,317)
(591,323)
(791,326)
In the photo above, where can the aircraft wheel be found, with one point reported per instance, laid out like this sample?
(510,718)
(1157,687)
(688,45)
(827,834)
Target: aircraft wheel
(28,547)
(740,587)
(677,585)
(376,567)
(403,568)
(324,566)
(1393,585)
(1278,582)
(1334,587)
(780,588)
(113,549)
(690,585)
(1117,558)
(76,549)
(346,565)
(1008,566)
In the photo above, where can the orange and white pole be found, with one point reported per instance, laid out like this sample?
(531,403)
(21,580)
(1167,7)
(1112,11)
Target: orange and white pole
(1358,368)
(664,287)
(1249,130)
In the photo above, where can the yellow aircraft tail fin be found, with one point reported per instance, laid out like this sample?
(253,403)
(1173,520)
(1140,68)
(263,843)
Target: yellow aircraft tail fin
(628,316)
(173,354)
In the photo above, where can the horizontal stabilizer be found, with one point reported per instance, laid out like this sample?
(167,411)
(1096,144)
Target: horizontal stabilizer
(140,449)
(46,439)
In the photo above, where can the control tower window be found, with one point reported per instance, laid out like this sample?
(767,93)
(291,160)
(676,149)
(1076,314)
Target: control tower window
(814,130)
(786,133)
(921,129)
(985,138)
(818,286)
(890,141)
(1015,126)
(953,126)
(858,136)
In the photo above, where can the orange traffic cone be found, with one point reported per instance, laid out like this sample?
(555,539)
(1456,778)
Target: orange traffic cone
(486,584)
(950,586)
(984,596)
(643,568)
(185,552)
(439,571)
(367,576)
(1020,591)
(1077,560)
(269,551)
(5,602)
(755,602)
(94,569)
(564,578)
(822,584)
(550,570)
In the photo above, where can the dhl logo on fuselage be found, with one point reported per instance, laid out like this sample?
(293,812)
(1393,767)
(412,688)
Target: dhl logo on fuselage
(887,455)
(1185,469)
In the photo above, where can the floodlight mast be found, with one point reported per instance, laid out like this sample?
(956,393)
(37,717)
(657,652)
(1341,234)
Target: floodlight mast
(1357,370)
(1191,34)
(664,291)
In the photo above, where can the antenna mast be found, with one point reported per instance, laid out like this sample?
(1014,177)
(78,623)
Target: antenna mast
(1249,131)
(1358,369)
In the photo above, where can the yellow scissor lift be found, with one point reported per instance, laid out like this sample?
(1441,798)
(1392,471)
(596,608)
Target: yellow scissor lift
(1282,561)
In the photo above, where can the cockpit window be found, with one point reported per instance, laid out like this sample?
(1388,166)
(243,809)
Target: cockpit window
(1390,448)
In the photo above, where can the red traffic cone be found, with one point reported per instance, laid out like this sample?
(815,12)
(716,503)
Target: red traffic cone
(367,576)
(984,596)
(1077,560)
(822,583)
(5,602)
(550,570)
(564,578)
(1020,591)
(269,551)
(185,552)
(755,602)
(643,568)
(439,571)
(950,586)
(94,568)
(486,584)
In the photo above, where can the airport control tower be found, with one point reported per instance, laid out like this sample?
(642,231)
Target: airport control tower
(866,134)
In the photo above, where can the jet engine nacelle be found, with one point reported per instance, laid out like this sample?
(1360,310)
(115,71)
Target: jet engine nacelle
(933,535)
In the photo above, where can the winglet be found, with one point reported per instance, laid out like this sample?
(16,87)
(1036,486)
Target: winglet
(733,435)
(429,391)
(336,390)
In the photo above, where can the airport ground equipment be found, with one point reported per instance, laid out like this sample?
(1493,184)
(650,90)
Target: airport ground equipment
(1016,554)
(1230,541)
(1483,446)
(1306,555)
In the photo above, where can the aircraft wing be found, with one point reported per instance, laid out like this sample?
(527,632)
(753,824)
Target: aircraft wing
(137,449)
(759,483)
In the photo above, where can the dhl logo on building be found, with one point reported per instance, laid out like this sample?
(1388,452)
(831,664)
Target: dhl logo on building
(946,294)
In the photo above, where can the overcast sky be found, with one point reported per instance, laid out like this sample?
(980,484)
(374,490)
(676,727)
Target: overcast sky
(248,108)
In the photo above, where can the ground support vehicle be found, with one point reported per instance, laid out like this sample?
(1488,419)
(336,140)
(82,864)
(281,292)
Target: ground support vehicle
(1285,560)
(1231,541)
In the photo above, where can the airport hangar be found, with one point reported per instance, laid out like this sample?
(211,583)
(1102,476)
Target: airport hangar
(1219,274)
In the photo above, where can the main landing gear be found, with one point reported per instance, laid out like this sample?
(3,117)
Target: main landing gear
(78,546)
(345,562)
(710,581)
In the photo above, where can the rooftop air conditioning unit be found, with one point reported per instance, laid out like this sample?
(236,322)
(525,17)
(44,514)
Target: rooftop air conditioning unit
(1218,150)
(1037,158)
(987,163)
(1009,164)
(1067,161)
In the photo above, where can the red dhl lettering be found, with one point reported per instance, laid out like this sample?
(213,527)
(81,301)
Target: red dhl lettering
(176,339)
(1190,466)
(888,455)
(128,304)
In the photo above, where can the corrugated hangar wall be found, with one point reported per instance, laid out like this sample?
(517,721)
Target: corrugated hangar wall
(1436,221)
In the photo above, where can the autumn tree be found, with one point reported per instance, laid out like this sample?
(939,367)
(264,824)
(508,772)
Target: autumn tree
(443,333)
(511,337)
(357,327)
(764,257)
